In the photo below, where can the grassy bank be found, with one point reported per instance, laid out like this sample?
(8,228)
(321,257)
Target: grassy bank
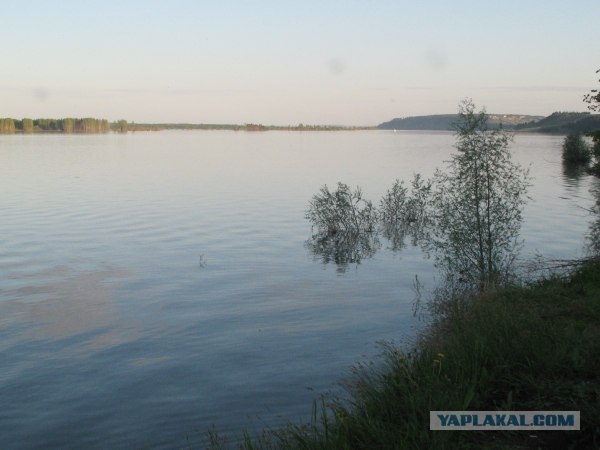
(533,348)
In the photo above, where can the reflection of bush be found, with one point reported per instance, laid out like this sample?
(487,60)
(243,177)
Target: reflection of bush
(573,172)
(344,248)
(397,233)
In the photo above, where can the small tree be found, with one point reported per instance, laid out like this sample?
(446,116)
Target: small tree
(7,125)
(345,226)
(122,126)
(27,125)
(393,204)
(477,204)
(399,206)
(405,213)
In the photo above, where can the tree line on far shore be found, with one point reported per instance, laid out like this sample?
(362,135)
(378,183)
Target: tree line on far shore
(67,125)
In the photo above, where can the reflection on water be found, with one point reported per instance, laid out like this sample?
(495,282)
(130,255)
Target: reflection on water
(344,248)
(574,175)
(398,233)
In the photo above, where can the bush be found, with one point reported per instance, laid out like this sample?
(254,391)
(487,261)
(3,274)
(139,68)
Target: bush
(576,150)
(398,206)
(341,211)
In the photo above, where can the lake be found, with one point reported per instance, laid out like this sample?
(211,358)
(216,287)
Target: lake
(155,284)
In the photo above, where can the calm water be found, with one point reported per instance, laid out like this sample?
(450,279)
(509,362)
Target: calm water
(155,284)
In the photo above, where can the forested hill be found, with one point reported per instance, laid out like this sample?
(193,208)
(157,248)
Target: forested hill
(564,123)
(445,121)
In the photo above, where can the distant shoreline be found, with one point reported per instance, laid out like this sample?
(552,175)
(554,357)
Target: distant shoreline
(556,123)
(96,126)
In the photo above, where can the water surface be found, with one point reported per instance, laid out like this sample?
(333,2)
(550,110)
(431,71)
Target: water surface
(154,284)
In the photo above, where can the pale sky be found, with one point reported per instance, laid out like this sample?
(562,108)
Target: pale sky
(288,62)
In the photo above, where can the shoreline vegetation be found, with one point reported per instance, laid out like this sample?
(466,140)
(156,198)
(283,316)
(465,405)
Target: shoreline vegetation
(529,348)
(245,127)
(90,125)
(556,123)
(87,125)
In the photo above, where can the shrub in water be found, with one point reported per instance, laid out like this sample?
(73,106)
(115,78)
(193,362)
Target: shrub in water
(576,150)
(341,211)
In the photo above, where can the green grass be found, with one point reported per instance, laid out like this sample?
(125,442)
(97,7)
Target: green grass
(532,348)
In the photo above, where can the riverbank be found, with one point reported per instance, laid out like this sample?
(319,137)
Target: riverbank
(529,348)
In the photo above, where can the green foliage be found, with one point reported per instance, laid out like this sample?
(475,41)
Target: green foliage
(73,125)
(341,211)
(401,207)
(7,126)
(468,215)
(392,205)
(575,150)
(48,124)
(68,125)
(405,213)
(121,126)
(27,125)
(344,225)
(477,204)
(91,125)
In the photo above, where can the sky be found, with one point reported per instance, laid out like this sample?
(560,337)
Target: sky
(289,62)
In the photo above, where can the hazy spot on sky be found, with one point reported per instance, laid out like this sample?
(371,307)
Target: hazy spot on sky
(40,94)
(539,88)
(436,59)
(337,66)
